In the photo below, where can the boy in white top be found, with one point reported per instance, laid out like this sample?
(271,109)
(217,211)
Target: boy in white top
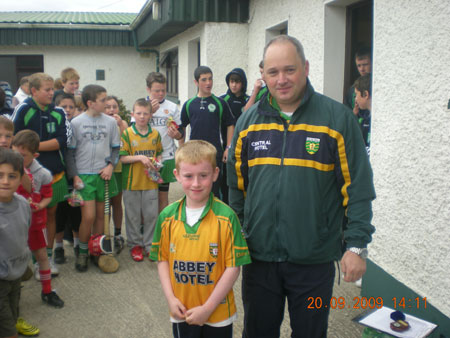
(165,111)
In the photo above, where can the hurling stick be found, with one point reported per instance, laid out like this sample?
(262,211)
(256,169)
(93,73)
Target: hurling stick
(107,263)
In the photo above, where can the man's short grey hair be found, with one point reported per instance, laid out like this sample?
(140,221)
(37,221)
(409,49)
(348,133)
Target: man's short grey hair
(287,38)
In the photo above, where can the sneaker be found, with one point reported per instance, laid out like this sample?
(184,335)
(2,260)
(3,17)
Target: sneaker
(37,275)
(59,257)
(76,250)
(52,299)
(26,329)
(27,274)
(119,242)
(136,254)
(53,269)
(81,263)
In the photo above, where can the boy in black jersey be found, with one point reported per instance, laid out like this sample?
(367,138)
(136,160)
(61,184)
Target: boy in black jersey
(206,113)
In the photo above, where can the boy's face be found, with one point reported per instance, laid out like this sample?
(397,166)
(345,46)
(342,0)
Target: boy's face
(111,107)
(69,107)
(141,115)
(236,87)
(204,84)
(364,66)
(71,86)
(362,101)
(98,106)
(197,181)
(157,91)
(44,95)
(27,155)
(9,182)
(6,137)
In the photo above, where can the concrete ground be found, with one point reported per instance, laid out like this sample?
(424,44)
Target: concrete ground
(130,303)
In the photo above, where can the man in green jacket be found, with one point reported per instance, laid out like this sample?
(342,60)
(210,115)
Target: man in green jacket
(301,184)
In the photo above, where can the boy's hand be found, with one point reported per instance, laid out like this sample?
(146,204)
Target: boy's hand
(258,85)
(177,309)
(147,162)
(197,315)
(173,132)
(26,183)
(155,105)
(356,109)
(77,182)
(118,119)
(106,172)
(225,156)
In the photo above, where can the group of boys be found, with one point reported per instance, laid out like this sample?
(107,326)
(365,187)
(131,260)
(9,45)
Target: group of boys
(197,241)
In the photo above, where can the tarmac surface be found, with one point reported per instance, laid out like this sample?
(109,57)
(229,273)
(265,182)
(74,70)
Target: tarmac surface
(130,303)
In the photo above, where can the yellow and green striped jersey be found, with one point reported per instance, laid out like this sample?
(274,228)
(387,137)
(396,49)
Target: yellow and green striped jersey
(133,143)
(199,255)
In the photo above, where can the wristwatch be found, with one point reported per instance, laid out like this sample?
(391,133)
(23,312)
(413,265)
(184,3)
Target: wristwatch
(361,252)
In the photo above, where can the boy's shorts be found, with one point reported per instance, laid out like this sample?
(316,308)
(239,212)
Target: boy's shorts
(94,188)
(9,305)
(167,171)
(118,177)
(60,189)
(37,238)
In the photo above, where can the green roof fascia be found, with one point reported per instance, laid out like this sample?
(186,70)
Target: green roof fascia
(178,15)
(93,18)
(65,37)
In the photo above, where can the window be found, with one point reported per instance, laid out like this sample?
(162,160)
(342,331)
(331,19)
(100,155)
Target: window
(14,67)
(169,61)
(276,30)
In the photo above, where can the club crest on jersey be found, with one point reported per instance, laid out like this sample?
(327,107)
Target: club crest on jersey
(312,145)
(166,111)
(172,248)
(134,143)
(211,108)
(213,249)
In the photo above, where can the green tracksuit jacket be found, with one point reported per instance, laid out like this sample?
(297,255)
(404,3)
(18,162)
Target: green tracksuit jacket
(292,184)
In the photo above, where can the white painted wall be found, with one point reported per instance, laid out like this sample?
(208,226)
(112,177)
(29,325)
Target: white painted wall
(305,22)
(410,145)
(125,68)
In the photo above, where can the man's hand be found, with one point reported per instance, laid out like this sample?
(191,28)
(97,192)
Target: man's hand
(177,309)
(353,266)
(197,315)
(106,172)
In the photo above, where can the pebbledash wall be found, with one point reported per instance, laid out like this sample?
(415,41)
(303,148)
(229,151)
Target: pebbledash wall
(125,68)
(410,154)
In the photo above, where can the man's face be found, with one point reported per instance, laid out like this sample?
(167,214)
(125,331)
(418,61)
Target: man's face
(44,95)
(157,91)
(285,74)
(204,84)
(236,87)
(364,66)
(6,137)
(9,182)
(69,107)
(98,106)
(71,86)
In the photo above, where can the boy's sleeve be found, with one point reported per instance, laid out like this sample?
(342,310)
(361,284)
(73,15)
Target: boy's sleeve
(125,144)
(158,251)
(46,186)
(17,118)
(228,118)
(184,116)
(177,116)
(159,148)
(115,137)
(61,131)
(237,251)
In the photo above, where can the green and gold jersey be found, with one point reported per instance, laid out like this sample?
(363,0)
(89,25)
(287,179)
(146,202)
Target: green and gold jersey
(133,143)
(199,255)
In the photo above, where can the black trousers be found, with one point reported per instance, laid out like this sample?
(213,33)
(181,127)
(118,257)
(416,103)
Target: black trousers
(184,330)
(267,285)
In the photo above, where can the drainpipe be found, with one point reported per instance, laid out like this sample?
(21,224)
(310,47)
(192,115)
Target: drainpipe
(133,32)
